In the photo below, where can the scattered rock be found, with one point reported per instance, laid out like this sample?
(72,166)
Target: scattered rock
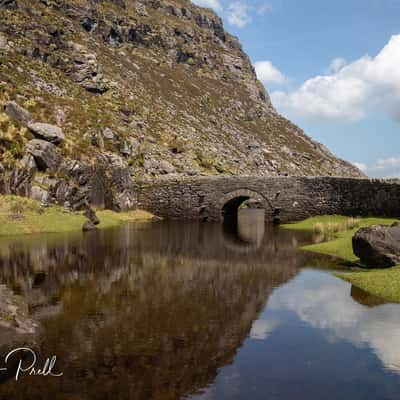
(378,246)
(17,113)
(88,226)
(9,4)
(166,168)
(108,134)
(91,216)
(94,86)
(134,145)
(124,148)
(40,194)
(3,42)
(45,154)
(254,145)
(124,201)
(50,133)
(162,167)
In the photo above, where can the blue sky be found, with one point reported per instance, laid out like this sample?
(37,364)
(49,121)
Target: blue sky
(333,67)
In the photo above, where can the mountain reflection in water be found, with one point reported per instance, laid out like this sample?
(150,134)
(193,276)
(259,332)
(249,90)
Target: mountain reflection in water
(174,310)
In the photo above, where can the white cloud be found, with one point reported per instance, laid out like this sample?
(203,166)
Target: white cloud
(361,166)
(238,14)
(388,163)
(262,329)
(268,73)
(382,168)
(336,65)
(214,4)
(325,303)
(352,90)
(263,8)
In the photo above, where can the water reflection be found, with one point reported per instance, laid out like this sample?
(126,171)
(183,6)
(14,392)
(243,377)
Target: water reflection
(245,230)
(167,311)
(143,312)
(364,298)
(313,341)
(324,303)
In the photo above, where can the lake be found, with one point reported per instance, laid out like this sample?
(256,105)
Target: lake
(188,310)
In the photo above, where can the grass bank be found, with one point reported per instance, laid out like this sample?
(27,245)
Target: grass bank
(19,215)
(335,233)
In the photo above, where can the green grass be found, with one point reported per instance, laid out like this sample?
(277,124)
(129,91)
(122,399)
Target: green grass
(309,223)
(381,283)
(24,216)
(340,246)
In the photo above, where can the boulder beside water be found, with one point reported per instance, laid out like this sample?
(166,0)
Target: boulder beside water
(378,246)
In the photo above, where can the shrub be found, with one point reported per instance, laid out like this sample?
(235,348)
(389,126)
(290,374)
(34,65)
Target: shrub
(16,209)
(204,161)
(30,103)
(20,205)
(327,228)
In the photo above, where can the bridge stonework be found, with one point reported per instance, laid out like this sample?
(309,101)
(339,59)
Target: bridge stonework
(285,199)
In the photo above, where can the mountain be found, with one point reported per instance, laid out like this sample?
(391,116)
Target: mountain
(142,88)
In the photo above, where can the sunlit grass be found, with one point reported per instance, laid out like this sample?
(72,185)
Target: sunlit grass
(20,215)
(338,232)
(335,227)
(383,283)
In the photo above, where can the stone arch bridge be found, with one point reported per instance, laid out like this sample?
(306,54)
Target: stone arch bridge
(285,199)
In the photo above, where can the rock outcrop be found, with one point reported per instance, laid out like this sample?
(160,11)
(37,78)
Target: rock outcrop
(51,133)
(45,154)
(135,89)
(378,246)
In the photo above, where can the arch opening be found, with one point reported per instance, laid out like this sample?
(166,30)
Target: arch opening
(233,202)
(244,218)
(231,207)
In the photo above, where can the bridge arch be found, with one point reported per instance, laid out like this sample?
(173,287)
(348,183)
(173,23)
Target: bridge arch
(231,201)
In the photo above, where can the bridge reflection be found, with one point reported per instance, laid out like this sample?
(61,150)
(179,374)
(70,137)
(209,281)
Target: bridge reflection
(145,312)
(245,230)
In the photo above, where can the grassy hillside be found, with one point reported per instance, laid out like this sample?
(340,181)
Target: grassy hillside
(150,83)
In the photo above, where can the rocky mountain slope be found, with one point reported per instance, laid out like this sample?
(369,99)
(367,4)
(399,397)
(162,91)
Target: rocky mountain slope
(96,93)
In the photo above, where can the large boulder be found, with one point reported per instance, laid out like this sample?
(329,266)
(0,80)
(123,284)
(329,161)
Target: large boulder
(45,154)
(378,246)
(50,133)
(17,113)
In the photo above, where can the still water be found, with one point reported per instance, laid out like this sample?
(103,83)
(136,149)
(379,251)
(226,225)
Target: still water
(173,310)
